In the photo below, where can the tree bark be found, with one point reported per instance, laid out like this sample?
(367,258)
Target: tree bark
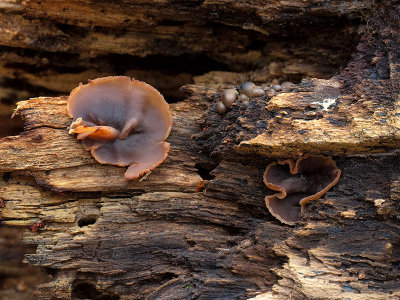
(197,226)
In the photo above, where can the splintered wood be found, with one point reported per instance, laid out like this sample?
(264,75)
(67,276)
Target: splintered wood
(325,119)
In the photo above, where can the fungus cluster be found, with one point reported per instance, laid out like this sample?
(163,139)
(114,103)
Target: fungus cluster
(246,91)
(298,183)
(276,88)
(121,122)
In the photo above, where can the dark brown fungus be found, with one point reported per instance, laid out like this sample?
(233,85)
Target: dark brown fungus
(121,122)
(221,108)
(258,92)
(297,183)
(243,97)
(247,88)
(228,97)
(277,87)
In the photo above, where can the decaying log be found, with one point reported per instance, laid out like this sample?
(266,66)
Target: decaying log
(48,47)
(197,226)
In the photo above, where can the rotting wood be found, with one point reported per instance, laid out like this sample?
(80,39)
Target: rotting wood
(356,111)
(57,161)
(160,239)
(48,47)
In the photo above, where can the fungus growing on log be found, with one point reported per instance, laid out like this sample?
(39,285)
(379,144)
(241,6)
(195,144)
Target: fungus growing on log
(243,97)
(229,96)
(297,183)
(247,88)
(251,90)
(121,122)
(227,99)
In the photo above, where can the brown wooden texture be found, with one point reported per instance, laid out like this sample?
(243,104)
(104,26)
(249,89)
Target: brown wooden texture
(48,47)
(165,237)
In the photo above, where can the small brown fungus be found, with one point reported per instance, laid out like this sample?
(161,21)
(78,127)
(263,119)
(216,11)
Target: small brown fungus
(277,87)
(121,122)
(228,97)
(243,97)
(221,108)
(247,88)
(297,183)
(258,92)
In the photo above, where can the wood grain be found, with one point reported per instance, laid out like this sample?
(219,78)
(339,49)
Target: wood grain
(163,238)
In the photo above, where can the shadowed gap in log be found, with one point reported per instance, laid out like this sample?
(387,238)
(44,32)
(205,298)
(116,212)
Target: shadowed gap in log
(85,289)
(292,50)
(18,279)
(10,126)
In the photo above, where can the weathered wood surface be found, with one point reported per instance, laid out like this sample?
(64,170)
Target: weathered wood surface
(48,47)
(163,238)
(356,111)
(163,242)
(57,160)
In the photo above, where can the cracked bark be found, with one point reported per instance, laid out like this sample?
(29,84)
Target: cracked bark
(163,238)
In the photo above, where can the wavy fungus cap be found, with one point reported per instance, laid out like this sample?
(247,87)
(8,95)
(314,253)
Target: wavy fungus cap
(122,122)
(310,177)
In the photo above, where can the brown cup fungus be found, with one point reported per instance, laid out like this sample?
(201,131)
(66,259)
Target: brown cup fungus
(121,122)
(297,183)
